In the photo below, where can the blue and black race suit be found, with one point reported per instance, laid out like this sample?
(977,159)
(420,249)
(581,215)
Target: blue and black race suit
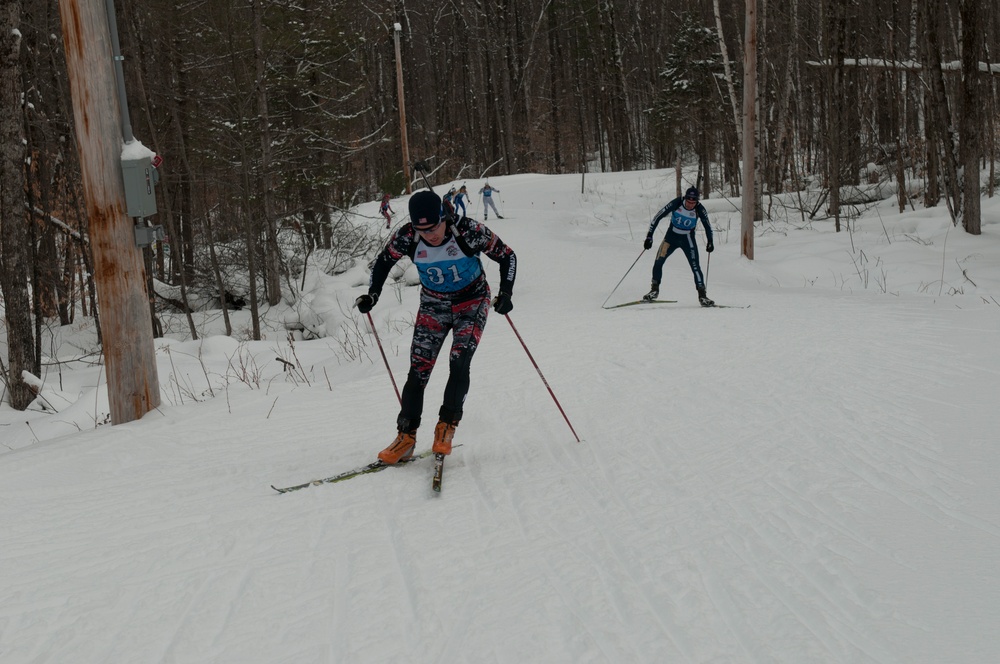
(680,235)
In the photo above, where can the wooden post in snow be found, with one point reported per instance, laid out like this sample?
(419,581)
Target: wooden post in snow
(130,362)
(402,110)
(749,129)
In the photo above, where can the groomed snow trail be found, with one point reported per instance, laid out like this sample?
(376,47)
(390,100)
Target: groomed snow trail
(811,479)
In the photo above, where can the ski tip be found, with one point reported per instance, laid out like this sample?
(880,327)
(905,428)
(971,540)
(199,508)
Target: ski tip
(438,472)
(277,489)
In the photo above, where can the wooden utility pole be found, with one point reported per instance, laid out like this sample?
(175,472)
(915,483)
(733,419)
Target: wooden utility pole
(749,129)
(133,385)
(402,110)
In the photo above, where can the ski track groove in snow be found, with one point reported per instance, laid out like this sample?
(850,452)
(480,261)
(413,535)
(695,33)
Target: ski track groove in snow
(634,571)
(551,576)
(730,613)
(834,610)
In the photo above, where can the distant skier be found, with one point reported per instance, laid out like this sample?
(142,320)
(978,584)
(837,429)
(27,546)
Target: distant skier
(447,207)
(460,201)
(386,211)
(455,296)
(684,214)
(487,192)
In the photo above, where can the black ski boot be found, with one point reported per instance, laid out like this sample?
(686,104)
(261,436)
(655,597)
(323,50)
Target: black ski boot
(654,292)
(703,298)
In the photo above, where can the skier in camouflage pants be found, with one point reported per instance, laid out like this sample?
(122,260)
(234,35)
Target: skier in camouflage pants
(454,296)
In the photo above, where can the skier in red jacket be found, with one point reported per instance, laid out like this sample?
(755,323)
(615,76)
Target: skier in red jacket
(386,211)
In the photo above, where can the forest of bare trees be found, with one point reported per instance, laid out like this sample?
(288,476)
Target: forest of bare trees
(273,115)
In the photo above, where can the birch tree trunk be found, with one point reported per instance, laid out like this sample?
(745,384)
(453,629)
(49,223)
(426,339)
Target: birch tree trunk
(728,71)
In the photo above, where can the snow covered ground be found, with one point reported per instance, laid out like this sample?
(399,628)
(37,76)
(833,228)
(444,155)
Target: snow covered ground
(810,479)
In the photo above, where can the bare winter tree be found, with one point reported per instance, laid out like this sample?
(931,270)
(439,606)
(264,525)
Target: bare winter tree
(15,246)
(970,131)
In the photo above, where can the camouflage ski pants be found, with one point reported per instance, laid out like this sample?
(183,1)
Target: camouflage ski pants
(435,318)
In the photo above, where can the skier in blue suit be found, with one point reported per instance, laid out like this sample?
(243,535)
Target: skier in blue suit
(460,201)
(447,207)
(684,213)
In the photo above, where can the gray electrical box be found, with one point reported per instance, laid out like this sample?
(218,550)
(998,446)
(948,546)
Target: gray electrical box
(147,235)
(140,179)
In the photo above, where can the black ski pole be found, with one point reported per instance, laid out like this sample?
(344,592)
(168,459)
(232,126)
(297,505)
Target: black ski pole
(422,169)
(623,278)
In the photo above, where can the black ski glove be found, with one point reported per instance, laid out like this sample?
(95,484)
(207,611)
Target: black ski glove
(648,244)
(710,247)
(365,302)
(502,304)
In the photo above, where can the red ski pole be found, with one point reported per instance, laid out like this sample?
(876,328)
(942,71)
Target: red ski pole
(540,375)
(379,341)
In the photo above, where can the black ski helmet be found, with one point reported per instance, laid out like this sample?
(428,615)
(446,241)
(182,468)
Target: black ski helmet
(691,193)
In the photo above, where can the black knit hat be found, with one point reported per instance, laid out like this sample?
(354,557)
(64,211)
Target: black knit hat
(425,210)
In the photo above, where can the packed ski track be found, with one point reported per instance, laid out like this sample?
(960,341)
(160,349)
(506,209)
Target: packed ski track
(809,479)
